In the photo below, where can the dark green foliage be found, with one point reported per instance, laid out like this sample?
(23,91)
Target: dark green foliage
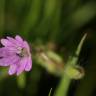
(58,25)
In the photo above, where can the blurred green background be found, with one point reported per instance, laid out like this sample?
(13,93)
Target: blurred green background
(56,25)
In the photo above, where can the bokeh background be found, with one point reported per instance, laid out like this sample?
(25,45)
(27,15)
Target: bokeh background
(55,25)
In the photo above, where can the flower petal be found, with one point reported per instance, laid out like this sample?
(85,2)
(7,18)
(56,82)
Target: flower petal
(8,60)
(18,38)
(2,51)
(12,69)
(28,65)
(12,49)
(11,40)
(15,42)
(4,62)
(5,52)
(6,42)
(22,65)
(26,46)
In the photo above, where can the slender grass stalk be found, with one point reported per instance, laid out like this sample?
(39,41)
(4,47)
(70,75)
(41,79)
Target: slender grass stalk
(50,92)
(50,7)
(32,18)
(56,22)
(63,87)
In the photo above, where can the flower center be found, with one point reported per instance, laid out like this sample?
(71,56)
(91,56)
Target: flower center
(23,53)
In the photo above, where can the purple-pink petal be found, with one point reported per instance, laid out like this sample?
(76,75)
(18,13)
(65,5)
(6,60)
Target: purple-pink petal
(21,66)
(26,46)
(19,39)
(28,65)
(8,60)
(15,42)
(12,69)
(12,40)
(5,52)
(6,42)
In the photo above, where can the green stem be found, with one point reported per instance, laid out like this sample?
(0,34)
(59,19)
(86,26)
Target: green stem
(80,45)
(50,92)
(63,87)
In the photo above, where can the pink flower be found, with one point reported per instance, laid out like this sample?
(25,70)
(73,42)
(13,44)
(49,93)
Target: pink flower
(16,54)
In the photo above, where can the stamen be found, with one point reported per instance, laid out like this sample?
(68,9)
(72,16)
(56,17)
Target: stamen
(23,53)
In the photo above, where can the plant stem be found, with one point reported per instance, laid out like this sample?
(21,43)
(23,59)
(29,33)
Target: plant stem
(63,87)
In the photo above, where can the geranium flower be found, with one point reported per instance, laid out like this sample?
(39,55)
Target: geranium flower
(16,54)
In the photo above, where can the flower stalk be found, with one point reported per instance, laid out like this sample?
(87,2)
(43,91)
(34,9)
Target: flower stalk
(63,87)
